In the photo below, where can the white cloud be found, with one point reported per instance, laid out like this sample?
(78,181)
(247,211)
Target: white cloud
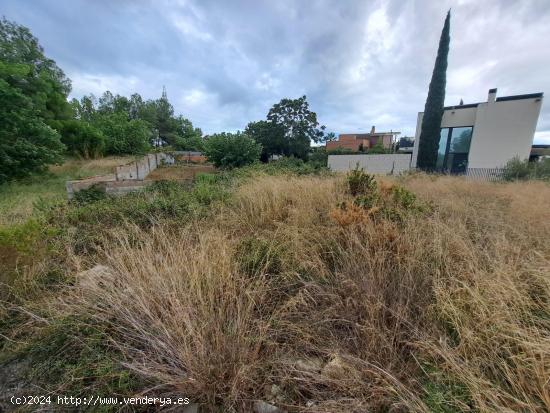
(85,83)
(542,137)
(360,63)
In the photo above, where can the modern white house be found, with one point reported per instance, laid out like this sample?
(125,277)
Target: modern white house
(485,135)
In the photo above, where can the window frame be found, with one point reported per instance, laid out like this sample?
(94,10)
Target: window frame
(450,129)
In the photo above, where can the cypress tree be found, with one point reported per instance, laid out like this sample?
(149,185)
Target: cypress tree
(433,111)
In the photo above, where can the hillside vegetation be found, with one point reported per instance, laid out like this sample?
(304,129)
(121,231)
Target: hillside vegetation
(314,292)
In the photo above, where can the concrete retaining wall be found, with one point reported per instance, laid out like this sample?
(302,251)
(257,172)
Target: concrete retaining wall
(374,164)
(189,156)
(127,178)
(140,168)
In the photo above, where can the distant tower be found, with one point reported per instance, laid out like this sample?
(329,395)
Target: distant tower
(164,95)
(461,102)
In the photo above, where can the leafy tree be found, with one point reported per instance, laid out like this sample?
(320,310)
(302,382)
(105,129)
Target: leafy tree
(377,148)
(300,125)
(27,143)
(44,82)
(85,108)
(433,111)
(33,93)
(82,139)
(231,150)
(331,136)
(271,136)
(188,138)
(124,136)
(165,122)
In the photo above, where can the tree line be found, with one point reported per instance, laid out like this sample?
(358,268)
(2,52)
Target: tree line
(39,126)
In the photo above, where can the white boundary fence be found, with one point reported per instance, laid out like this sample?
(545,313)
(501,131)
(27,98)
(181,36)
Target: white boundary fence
(385,164)
(485,174)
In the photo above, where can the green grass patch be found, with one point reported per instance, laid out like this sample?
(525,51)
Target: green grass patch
(444,394)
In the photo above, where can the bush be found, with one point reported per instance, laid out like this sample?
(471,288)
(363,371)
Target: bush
(124,136)
(341,151)
(385,201)
(82,139)
(360,183)
(231,150)
(517,169)
(378,149)
(318,157)
(91,194)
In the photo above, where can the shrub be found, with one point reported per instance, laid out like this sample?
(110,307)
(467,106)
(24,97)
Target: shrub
(231,150)
(124,136)
(318,157)
(341,151)
(81,139)
(359,182)
(517,169)
(91,194)
(378,149)
(385,201)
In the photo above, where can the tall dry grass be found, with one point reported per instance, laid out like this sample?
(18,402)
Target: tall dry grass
(274,299)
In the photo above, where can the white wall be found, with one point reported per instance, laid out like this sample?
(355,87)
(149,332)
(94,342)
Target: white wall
(453,118)
(503,130)
(374,164)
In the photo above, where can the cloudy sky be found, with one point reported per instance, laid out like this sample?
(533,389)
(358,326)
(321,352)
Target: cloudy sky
(361,63)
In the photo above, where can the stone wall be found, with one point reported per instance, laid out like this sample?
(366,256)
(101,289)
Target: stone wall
(374,164)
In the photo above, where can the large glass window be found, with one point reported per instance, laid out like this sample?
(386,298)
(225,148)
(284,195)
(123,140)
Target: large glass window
(454,146)
(460,140)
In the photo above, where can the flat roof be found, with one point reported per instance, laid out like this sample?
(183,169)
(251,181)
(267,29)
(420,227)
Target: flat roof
(501,99)
(518,97)
(368,134)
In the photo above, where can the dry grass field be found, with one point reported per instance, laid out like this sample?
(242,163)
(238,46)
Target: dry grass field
(309,297)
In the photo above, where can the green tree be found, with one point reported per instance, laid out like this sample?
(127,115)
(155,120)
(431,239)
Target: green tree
(124,136)
(85,108)
(377,148)
(188,138)
(82,139)
(271,136)
(300,125)
(433,111)
(165,122)
(27,143)
(231,150)
(33,92)
(44,82)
